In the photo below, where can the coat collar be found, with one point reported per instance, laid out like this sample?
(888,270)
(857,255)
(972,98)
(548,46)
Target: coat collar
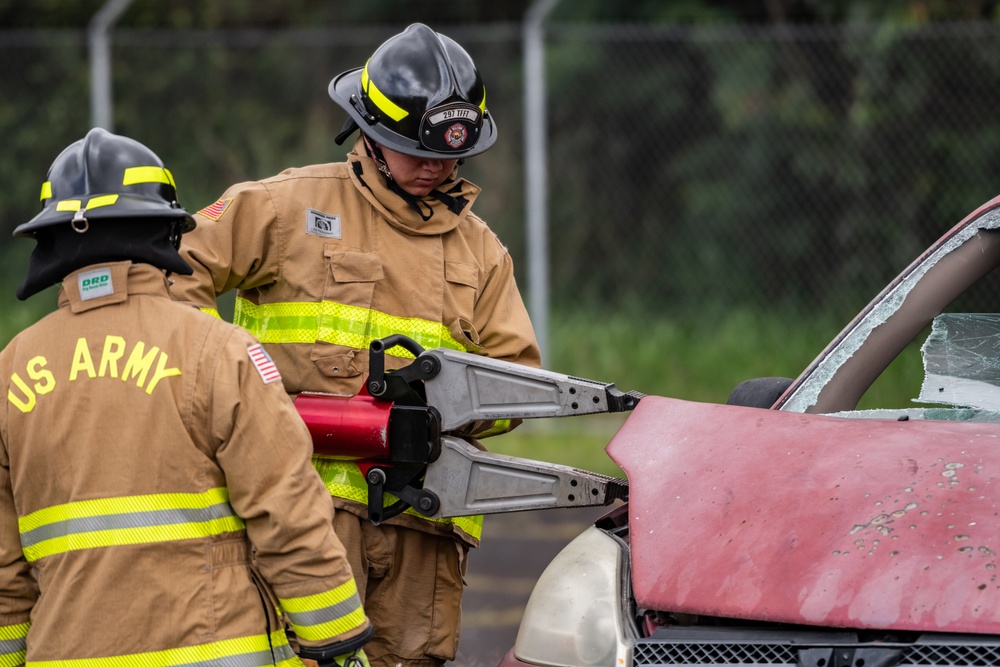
(397,211)
(109,282)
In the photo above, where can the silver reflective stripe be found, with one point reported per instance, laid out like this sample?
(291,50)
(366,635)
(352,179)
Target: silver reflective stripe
(325,614)
(129,520)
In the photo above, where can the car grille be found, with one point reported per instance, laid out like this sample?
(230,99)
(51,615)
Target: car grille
(648,653)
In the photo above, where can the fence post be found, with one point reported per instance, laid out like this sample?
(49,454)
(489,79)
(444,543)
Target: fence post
(99,46)
(536,176)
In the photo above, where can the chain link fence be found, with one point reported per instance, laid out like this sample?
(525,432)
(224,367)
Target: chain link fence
(691,170)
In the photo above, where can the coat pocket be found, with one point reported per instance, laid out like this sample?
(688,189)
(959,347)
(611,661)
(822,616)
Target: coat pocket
(345,316)
(460,308)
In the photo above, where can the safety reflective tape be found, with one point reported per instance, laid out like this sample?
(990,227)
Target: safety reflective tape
(136,175)
(325,615)
(378,98)
(252,651)
(107,522)
(211,311)
(13,644)
(344,480)
(496,428)
(482,105)
(46,190)
(103,200)
(93,202)
(337,323)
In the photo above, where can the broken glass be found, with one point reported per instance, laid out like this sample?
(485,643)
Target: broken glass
(888,303)
(960,414)
(962,361)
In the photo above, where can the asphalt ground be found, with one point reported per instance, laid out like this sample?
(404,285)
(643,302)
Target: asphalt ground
(516,547)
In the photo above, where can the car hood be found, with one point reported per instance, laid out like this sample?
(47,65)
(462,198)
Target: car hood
(797,518)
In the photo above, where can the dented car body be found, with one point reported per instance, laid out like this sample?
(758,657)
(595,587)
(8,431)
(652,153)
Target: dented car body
(809,532)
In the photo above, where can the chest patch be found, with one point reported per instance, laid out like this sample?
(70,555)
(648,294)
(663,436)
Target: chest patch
(322,224)
(95,284)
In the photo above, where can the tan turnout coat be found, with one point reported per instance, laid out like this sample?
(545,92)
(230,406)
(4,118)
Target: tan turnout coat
(142,453)
(325,259)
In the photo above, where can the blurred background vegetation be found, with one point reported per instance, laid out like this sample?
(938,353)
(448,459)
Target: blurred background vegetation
(729,181)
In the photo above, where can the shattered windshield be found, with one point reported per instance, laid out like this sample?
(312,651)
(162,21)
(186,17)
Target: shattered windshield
(962,361)
(886,314)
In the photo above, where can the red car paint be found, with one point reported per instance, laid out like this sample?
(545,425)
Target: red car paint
(796,518)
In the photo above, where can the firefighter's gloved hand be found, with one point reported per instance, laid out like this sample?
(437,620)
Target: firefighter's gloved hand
(355,659)
(346,653)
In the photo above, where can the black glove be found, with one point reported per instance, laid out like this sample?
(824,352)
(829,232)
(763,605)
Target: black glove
(348,653)
(354,659)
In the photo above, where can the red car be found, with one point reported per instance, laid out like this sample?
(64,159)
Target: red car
(807,533)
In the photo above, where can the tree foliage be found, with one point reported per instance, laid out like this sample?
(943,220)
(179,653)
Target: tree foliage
(700,150)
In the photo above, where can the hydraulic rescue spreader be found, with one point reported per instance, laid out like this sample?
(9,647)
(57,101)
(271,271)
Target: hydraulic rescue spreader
(405,428)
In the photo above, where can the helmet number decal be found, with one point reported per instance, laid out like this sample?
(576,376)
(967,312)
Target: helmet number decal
(451,128)
(469,114)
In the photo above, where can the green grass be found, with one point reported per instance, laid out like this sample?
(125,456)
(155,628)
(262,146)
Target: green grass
(689,355)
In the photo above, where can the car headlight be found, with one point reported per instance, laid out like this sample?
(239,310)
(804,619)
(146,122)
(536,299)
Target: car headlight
(574,616)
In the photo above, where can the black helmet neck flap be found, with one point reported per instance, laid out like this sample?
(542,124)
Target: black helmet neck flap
(419,94)
(107,198)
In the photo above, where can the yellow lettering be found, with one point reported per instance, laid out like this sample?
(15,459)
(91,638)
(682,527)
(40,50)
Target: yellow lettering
(161,372)
(139,364)
(46,381)
(114,349)
(26,405)
(82,360)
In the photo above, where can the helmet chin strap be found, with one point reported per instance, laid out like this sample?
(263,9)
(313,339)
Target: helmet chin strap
(423,209)
(375,153)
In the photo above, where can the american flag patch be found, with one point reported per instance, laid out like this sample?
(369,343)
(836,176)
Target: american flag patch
(262,362)
(216,210)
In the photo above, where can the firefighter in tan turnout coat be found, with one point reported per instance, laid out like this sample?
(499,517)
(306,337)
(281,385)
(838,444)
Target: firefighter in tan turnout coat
(158,502)
(327,258)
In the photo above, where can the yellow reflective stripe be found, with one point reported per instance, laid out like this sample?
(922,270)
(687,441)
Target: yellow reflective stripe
(93,202)
(46,190)
(253,650)
(211,311)
(496,428)
(325,615)
(344,480)
(103,200)
(337,323)
(482,105)
(378,98)
(105,522)
(135,175)
(13,644)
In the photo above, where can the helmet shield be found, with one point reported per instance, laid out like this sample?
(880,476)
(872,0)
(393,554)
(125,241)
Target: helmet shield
(106,176)
(419,94)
